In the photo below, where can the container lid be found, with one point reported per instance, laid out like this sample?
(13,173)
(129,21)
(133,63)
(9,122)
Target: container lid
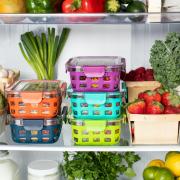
(43,167)
(105,61)
(71,93)
(36,86)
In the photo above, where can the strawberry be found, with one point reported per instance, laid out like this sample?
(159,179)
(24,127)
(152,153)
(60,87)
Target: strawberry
(170,99)
(150,96)
(137,107)
(140,70)
(171,110)
(141,95)
(154,107)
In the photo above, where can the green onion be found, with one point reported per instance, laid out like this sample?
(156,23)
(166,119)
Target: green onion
(42,52)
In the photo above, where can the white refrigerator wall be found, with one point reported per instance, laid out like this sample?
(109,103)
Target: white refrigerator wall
(130,41)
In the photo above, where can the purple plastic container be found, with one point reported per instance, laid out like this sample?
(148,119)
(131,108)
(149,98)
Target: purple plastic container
(92,74)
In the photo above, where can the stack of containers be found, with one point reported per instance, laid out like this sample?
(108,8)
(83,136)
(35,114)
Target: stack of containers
(34,106)
(95,99)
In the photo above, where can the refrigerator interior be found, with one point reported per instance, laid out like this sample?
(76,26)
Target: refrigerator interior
(130,41)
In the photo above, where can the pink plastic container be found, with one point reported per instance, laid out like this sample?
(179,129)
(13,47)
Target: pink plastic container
(94,74)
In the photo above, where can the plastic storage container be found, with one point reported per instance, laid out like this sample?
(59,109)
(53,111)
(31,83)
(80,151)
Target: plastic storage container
(35,99)
(95,73)
(8,168)
(43,170)
(36,131)
(91,105)
(100,132)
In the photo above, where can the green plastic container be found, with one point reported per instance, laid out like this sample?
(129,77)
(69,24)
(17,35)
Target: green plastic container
(99,132)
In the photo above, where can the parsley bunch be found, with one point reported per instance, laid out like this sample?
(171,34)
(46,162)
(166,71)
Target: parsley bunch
(165,60)
(98,165)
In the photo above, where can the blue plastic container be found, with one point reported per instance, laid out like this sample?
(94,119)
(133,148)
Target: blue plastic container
(36,131)
(92,105)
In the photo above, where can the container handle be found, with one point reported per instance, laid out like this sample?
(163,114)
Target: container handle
(94,71)
(95,98)
(28,97)
(31,125)
(98,126)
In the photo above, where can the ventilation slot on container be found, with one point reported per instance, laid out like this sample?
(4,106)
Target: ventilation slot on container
(108,132)
(73,78)
(20,104)
(106,86)
(84,105)
(12,103)
(83,85)
(74,104)
(75,139)
(82,78)
(75,131)
(96,139)
(106,78)
(107,139)
(94,85)
(108,105)
(46,104)
(96,132)
(84,112)
(45,112)
(108,112)
(95,79)
(21,111)
(96,112)
(85,132)
(85,140)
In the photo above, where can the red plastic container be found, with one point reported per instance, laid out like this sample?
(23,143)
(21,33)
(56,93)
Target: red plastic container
(35,99)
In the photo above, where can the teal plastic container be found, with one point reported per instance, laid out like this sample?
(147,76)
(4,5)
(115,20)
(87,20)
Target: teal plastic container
(95,105)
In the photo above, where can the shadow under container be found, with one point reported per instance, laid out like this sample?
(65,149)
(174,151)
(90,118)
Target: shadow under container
(161,129)
(95,105)
(96,132)
(95,73)
(35,99)
(36,131)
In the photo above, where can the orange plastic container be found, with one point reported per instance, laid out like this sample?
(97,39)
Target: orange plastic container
(33,99)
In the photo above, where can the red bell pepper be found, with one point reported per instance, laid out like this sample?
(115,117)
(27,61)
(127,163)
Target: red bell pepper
(83,6)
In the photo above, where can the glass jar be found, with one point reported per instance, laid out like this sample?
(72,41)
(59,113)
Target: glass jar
(43,170)
(8,168)
(38,6)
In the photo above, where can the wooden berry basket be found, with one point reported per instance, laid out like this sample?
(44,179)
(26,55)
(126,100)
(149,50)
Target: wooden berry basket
(154,129)
(135,87)
(6,82)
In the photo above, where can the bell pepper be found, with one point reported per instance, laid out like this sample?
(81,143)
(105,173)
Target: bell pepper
(38,6)
(83,6)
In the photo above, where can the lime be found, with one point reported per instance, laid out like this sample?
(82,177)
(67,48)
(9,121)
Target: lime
(164,174)
(150,173)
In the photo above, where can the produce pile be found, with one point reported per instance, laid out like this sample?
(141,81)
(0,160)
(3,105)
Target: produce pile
(159,101)
(6,73)
(72,6)
(139,74)
(98,165)
(165,170)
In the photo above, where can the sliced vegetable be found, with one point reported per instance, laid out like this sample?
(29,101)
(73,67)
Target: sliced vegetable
(112,6)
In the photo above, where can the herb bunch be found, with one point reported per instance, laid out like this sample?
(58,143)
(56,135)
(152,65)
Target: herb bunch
(98,165)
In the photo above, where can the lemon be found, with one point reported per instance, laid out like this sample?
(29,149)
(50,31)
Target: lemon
(173,163)
(157,163)
(171,153)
